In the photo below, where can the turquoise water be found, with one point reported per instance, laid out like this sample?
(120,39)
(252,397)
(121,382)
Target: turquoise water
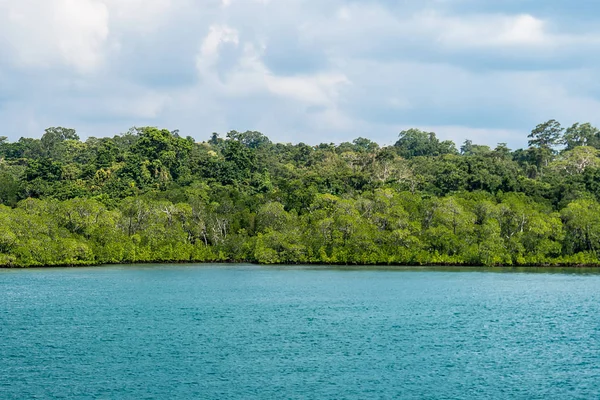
(248,332)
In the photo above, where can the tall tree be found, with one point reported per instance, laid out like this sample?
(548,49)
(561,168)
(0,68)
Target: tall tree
(581,135)
(543,139)
(546,135)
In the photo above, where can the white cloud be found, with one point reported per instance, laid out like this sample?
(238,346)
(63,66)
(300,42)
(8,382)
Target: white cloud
(488,30)
(227,3)
(63,32)
(141,16)
(374,29)
(250,75)
(209,51)
(140,10)
(499,30)
(300,70)
(140,104)
(320,89)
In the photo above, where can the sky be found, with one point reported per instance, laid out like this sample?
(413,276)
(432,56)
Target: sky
(307,71)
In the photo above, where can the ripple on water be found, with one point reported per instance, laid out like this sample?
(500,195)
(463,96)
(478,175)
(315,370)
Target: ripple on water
(243,332)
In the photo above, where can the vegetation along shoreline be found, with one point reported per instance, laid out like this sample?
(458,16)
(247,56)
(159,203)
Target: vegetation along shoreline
(151,195)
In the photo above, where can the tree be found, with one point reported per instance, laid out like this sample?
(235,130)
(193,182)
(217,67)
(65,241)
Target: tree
(470,149)
(543,139)
(250,139)
(239,162)
(136,213)
(44,169)
(365,145)
(9,189)
(164,154)
(576,161)
(546,135)
(502,151)
(581,135)
(152,195)
(272,216)
(414,143)
(582,222)
(53,141)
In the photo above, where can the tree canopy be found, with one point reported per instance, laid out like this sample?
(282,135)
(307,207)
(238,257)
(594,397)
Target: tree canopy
(152,195)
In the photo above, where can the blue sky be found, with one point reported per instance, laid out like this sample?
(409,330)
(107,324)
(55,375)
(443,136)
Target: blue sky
(299,70)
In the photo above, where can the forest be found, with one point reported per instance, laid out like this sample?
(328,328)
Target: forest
(151,195)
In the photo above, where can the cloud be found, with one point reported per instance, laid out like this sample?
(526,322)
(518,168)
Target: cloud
(141,15)
(218,36)
(51,33)
(247,73)
(298,70)
(321,89)
(483,31)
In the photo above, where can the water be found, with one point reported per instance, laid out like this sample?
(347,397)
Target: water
(247,332)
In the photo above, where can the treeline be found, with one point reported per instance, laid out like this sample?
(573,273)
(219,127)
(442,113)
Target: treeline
(150,195)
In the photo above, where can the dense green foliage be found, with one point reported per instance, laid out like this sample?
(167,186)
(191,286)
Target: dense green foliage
(151,195)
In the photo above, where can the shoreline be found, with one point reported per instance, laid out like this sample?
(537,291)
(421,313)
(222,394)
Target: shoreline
(449,266)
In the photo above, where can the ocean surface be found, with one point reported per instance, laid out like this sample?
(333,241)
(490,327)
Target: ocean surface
(250,332)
